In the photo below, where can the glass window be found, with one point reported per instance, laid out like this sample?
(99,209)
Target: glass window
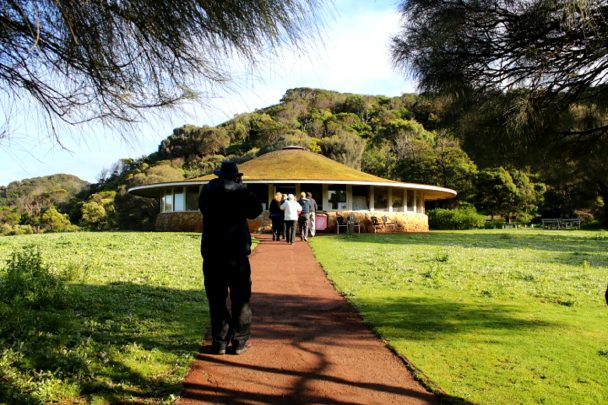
(286,189)
(192,199)
(168,201)
(360,198)
(336,196)
(380,198)
(410,200)
(397,200)
(179,203)
(317,193)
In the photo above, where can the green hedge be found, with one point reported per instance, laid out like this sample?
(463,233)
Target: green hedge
(459,218)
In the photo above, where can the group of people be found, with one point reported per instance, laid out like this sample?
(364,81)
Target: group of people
(285,211)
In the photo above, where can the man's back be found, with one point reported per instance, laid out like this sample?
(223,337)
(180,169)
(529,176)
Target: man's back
(226,205)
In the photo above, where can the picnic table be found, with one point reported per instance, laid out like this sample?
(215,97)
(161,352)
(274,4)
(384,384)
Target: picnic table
(561,223)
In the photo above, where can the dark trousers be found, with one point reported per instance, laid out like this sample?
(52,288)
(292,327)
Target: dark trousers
(303,221)
(225,275)
(290,230)
(278,228)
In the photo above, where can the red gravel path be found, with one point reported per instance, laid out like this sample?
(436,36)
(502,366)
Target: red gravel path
(309,345)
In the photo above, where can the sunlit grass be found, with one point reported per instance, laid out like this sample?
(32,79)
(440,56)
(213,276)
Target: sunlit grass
(487,316)
(136,316)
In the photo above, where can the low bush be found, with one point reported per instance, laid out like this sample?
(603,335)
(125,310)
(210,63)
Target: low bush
(28,281)
(459,218)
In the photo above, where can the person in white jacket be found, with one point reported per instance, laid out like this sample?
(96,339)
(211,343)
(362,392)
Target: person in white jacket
(292,210)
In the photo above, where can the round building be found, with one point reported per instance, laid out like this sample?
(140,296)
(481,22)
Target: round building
(339,190)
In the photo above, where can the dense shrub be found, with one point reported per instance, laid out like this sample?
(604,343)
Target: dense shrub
(6,229)
(459,218)
(29,282)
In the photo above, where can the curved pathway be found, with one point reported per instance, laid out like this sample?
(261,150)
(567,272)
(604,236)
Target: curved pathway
(309,345)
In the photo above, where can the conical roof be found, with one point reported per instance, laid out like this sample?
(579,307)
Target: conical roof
(296,165)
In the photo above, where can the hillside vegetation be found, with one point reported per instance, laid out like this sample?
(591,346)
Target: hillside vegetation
(408,138)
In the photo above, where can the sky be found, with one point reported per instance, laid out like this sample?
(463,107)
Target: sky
(353,57)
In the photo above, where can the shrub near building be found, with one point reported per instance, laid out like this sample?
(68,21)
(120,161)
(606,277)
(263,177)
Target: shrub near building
(459,218)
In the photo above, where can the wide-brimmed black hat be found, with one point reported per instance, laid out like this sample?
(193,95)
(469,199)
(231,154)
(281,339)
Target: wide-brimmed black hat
(227,170)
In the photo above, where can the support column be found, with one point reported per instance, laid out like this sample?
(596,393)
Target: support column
(404,200)
(324,198)
(371,198)
(349,197)
(415,204)
(422,207)
(271,191)
(390,199)
(298,191)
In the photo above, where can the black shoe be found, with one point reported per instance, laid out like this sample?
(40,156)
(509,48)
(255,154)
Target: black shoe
(218,348)
(214,348)
(241,348)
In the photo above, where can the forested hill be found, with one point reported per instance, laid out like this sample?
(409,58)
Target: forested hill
(410,138)
(57,188)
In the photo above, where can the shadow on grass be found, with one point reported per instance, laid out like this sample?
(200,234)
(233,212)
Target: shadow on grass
(99,340)
(419,318)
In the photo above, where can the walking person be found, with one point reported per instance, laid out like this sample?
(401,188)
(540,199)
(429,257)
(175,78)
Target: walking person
(291,210)
(303,218)
(276,216)
(226,204)
(312,229)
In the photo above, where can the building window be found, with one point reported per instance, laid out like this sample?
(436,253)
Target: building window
(336,196)
(168,205)
(380,198)
(192,199)
(410,200)
(286,189)
(317,193)
(360,198)
(397,200)
(179,202)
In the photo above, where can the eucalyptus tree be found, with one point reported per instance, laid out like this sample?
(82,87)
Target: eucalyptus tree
(517,72)
(112,60)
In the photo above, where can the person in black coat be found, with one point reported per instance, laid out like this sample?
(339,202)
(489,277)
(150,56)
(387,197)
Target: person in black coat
(226,204)
(276,216)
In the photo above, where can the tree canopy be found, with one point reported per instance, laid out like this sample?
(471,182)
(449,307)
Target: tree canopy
(554,49)
(111,60)
(552,45)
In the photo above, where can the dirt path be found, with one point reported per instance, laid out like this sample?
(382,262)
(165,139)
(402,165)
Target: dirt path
(309,345)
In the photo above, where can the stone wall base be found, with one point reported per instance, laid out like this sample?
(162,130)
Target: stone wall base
(403,222)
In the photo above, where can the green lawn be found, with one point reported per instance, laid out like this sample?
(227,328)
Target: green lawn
(135,316)
(487,316)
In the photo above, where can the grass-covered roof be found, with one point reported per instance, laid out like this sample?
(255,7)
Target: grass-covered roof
(297,164)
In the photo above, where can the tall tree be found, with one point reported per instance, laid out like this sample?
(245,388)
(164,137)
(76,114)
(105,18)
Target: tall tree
(553,48)
(111,60)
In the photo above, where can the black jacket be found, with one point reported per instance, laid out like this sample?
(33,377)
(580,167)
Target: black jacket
(226,205)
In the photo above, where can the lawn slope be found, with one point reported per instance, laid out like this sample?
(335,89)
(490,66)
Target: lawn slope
(488,316)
